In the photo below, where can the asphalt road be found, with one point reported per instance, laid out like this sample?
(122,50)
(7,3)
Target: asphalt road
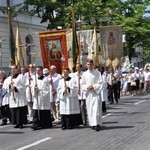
(125,127)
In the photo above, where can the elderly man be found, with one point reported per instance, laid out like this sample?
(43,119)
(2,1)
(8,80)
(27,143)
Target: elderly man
(54,81)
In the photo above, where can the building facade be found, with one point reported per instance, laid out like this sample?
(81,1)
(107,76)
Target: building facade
(29,27)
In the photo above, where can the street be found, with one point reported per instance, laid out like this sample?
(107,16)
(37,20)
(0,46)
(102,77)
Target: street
(125,127)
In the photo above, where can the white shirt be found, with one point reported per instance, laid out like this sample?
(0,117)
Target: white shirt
(147,76)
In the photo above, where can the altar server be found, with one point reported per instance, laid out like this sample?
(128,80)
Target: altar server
(92,85)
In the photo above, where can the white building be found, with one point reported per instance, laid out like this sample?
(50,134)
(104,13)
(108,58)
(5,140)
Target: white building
(29,28)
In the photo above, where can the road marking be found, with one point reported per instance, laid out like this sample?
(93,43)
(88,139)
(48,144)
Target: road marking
(139,102)
(4,126)
(106,115)
(35,143)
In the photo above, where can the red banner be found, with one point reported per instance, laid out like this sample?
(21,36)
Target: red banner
(54,49)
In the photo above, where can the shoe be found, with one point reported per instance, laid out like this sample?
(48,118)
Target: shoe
(97,128)
(16,126)
(84,124)
(30,122)
(70,127)
(21,126)
(3,123)
(56,121)
(116,101)
(35,128)
(104,113)
(93,127)
(63,128)
(111,102)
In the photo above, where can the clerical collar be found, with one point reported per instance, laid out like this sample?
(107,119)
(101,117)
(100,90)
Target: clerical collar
(90,70)
(67,79)
(40,77)
(15,76)
(55,74)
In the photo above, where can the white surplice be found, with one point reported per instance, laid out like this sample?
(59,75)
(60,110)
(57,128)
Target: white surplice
(104,91)
(76,78)
(41,99)
(17,98)
(28,90)
(5,95)
(93,101)
(69,103)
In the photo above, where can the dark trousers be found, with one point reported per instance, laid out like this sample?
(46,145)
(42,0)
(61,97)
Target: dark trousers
(118,88)
(104,107)
(5,113)
(71,121)
(42,118)
(113,93)
(82,103)
(19,115)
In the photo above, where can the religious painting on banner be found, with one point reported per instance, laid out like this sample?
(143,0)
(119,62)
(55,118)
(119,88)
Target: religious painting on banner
(54,49)
(111,44)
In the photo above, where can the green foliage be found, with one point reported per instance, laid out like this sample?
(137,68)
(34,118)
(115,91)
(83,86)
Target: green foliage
(128,13)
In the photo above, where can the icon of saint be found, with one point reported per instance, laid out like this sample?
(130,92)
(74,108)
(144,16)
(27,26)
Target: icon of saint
(111,39)
(54,53)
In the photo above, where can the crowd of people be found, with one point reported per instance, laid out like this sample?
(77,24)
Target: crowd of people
(42,97)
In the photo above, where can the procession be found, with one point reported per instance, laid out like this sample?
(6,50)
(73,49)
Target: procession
(74,75)
(43,97)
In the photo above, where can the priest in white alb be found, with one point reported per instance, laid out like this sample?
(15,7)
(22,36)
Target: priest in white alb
(92,84)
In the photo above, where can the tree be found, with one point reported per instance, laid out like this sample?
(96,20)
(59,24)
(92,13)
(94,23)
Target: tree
(128,13)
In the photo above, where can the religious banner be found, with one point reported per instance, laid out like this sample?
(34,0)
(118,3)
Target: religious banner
(111,44)
(86,51)
(54,49)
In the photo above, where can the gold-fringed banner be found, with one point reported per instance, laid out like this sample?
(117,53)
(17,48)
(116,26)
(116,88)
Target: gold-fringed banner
(54,49)
(111,44)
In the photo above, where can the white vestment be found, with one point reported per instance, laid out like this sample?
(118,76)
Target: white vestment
(28,89)
(56,78)
(69,103)
(41,99)
(104,91)
(93,102)
(17,98)
(76,78)
(5,95)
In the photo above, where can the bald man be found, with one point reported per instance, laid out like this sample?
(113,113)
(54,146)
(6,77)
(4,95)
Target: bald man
(54,80)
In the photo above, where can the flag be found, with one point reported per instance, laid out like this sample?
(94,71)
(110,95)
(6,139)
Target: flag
(11,38)
(95,49)
(19,56)
(75,47)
